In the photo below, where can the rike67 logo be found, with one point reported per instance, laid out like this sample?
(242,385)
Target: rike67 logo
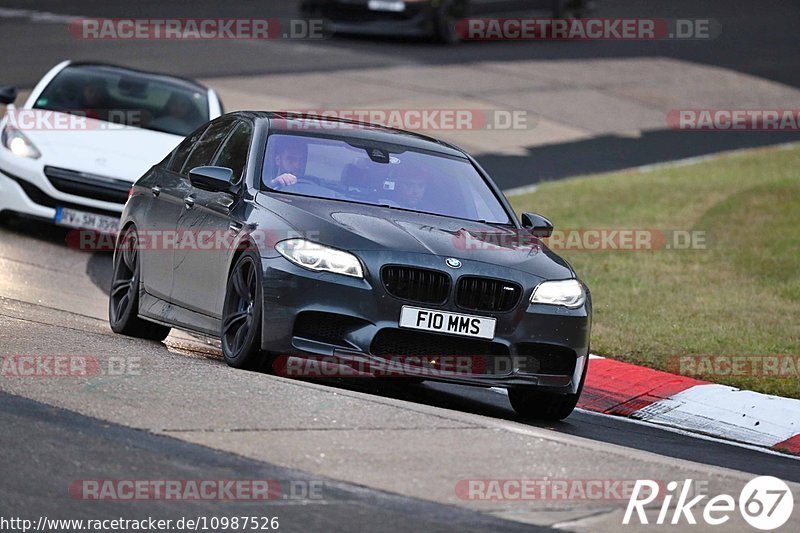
(765,503)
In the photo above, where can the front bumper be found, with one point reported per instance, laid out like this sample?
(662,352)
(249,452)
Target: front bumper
(25,189)
(323,314)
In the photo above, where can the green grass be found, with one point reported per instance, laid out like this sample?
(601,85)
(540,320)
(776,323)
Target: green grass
(738,296)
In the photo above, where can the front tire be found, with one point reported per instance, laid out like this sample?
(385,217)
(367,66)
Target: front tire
(123,299)
(530,403)
(241,315)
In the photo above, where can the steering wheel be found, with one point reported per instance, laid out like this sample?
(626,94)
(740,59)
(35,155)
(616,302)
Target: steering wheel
(309,180)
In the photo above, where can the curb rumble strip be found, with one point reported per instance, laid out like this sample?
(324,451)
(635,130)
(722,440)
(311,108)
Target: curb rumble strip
(626,390)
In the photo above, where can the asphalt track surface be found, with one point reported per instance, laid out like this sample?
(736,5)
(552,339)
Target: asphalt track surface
(46,447)
(67,446)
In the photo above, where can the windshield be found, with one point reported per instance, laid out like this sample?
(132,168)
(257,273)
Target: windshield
(379,174)
(126,97)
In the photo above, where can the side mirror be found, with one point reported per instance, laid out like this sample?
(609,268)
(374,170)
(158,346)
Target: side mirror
(8,95)
(539,226)
(214,179)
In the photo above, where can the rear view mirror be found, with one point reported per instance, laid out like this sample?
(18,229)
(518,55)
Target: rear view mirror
(214,179)
(539,225)
(8,95)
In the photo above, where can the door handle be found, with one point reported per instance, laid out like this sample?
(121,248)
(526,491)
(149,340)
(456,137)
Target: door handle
(226,202)
(235,227)
(156,190)
(189,201)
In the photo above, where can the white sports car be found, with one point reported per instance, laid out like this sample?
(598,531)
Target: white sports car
(88,131)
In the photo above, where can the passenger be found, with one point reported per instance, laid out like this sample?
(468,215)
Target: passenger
(180,115)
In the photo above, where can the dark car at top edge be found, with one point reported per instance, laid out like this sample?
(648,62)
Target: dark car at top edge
(437,19)
(353,243)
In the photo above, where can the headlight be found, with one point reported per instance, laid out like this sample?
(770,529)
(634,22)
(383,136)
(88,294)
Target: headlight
(317,257)
(18,143)
(568,293)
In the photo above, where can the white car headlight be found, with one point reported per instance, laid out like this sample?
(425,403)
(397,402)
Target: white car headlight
(18,143)
(568,292)
(314,256)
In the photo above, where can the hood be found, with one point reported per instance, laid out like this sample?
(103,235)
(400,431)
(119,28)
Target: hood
(104,149)
(358,227)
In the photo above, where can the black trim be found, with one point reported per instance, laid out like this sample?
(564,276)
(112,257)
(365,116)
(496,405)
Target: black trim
(416,284)
(88,185)
(492,295)
(38,196)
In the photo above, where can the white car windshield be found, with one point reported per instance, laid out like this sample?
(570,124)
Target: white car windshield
(389,175)
(121,96)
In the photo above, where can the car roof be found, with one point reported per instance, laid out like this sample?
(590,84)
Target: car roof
(187,83)
(295,124)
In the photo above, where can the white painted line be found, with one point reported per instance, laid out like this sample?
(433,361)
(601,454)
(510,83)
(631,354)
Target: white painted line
(524,189)
(709,157)
(688,433)
(40,17)
(729,413)
(643,169)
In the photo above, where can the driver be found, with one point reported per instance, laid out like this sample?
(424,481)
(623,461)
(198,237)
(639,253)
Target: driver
(95,99)
(290,163)
(412,183)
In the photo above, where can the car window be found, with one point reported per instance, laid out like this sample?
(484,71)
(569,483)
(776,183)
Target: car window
(204,151)
(379,174)
(233,153)
(122,96)
(184,149)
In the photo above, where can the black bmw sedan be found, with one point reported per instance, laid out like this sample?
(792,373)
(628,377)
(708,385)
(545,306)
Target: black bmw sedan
(302,238)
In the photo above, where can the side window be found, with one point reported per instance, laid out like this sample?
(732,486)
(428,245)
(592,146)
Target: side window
(205,149)
(183,150)
(233,153)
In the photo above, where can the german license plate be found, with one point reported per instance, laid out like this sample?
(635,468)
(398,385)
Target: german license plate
(394,6)
(83,220)
(443,322)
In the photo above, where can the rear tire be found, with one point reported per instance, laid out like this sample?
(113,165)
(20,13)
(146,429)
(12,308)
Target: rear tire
(568,9)
(530,403)
(123,298)
(241,315)
(445,25)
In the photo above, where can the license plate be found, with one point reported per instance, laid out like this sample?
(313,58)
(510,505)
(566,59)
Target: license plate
(444,322)
(387,5)
(84,220)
